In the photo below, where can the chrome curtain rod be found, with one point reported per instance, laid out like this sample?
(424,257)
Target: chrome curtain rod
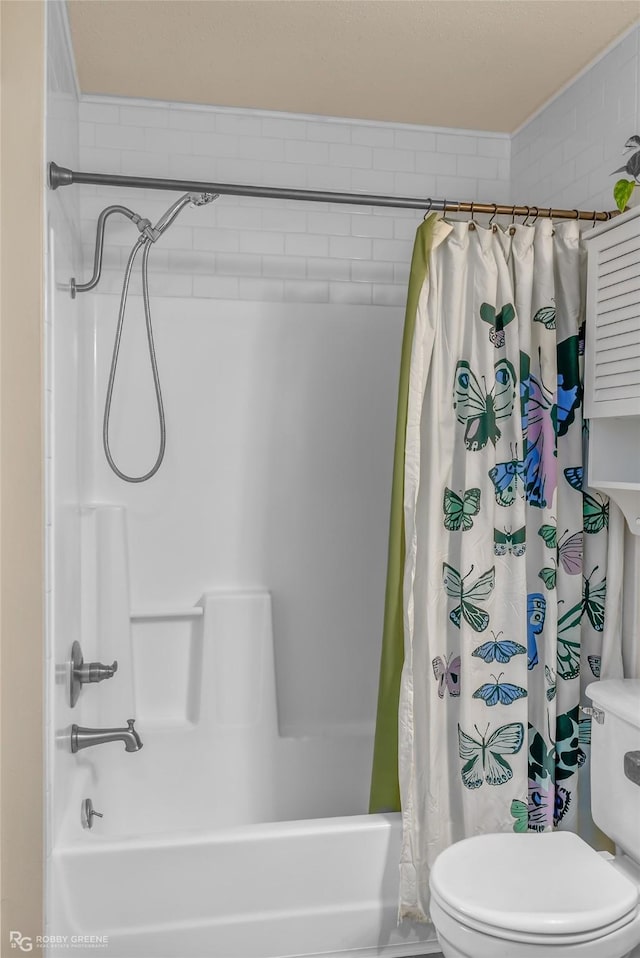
(60,176)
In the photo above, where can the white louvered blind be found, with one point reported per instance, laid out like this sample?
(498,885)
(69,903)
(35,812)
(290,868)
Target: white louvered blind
(612,373)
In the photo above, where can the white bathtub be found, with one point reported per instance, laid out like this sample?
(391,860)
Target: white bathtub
(324,886)
(198,854)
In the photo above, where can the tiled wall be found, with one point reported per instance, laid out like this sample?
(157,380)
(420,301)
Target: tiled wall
(278,250)
(565,155)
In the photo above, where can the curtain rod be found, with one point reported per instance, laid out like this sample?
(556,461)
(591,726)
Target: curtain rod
(61,176)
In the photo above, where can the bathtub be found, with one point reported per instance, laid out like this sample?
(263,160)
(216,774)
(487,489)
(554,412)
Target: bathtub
(316,887)
(224,836)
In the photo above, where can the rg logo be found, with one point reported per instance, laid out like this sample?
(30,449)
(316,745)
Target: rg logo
(22,942)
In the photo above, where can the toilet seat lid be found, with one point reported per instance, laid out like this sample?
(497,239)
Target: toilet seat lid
(550,883)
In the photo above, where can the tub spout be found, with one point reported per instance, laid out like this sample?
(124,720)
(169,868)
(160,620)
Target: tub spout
(85,737)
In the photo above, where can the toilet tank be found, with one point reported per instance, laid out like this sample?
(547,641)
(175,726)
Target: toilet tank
(615,761)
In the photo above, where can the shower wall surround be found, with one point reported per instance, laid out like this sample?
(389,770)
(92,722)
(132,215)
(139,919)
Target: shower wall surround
(565,155)
(268,250)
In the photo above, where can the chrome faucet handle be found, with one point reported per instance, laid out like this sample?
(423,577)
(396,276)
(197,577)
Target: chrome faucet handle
(88,812)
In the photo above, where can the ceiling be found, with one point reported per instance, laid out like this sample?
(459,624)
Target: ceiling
(477,64)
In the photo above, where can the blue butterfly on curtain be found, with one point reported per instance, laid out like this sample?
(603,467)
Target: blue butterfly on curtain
(536,612)
(509,479)
(496,692)
(500,650)
(539,432)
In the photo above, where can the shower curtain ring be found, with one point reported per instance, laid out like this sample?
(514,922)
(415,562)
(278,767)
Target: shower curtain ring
(535,218)
(430,202)
(513,216)
(492,217)
(472,222)
(594,220)
(577,212)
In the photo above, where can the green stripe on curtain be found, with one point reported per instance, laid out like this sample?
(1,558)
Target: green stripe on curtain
(385,793)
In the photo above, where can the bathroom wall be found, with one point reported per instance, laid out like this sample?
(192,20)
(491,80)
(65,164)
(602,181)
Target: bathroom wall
(268,250)
(565,155)
(63,375)
(280,412)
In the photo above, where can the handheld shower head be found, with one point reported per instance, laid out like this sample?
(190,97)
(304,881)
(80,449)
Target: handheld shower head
(194,199)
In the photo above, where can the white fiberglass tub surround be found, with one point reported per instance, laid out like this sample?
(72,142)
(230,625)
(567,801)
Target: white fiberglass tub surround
(241,592)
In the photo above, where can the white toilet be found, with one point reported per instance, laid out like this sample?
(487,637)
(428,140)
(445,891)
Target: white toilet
(551,895)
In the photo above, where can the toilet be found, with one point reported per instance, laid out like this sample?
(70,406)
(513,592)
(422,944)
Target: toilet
(550,895)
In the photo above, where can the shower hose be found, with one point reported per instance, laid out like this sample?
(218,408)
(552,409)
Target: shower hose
(149,235)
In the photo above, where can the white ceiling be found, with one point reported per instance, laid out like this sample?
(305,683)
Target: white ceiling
(478,64)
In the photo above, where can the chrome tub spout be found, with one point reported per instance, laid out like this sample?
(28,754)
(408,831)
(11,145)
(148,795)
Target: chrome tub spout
(85,737)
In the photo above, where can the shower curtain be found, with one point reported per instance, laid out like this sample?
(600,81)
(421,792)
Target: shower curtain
(508,555)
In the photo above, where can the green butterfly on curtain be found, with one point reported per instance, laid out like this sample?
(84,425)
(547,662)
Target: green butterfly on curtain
(479,409)
(595,511)
(548,574)
(513,542)
(477,592)
(546,316)
(592,605)
(459,510)
(520,811)
(483,757)
(563,758)
(550,678)
(497,321)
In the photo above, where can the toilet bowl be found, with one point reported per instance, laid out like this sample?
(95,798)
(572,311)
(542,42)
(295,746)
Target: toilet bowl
(533,896)
(550,895)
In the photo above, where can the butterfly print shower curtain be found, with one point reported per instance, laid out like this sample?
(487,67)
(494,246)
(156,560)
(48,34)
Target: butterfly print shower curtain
(507,551)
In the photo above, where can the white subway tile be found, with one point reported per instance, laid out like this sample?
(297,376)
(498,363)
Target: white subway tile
(261,148)
(484,167)
(354,293)
(87,134)
(380,227)
(144,116)
(418,140)
(303,151)
(284,128)
(358,157)
(216,287)
(238,125)
(237,217)
(214,144)
(261,290)
(368,271)
(115,137)
(389,295)
(337,224)
(98,112)
(392,250)
(336,269)
(306,244)
(167,141)
(287,220)
(238,264)
(436,164)
(494,146)
(201,121)
(306,291)
(239,171)
(373,136)
(101,160)
(192,261)
(372,181)
(284,267)
(261,242)
(401,160)
(414,184)
(350,247)
(223,240)
(285,175)
(328,132)
(336,179)
(456,143)
(456,188)
(145,163)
